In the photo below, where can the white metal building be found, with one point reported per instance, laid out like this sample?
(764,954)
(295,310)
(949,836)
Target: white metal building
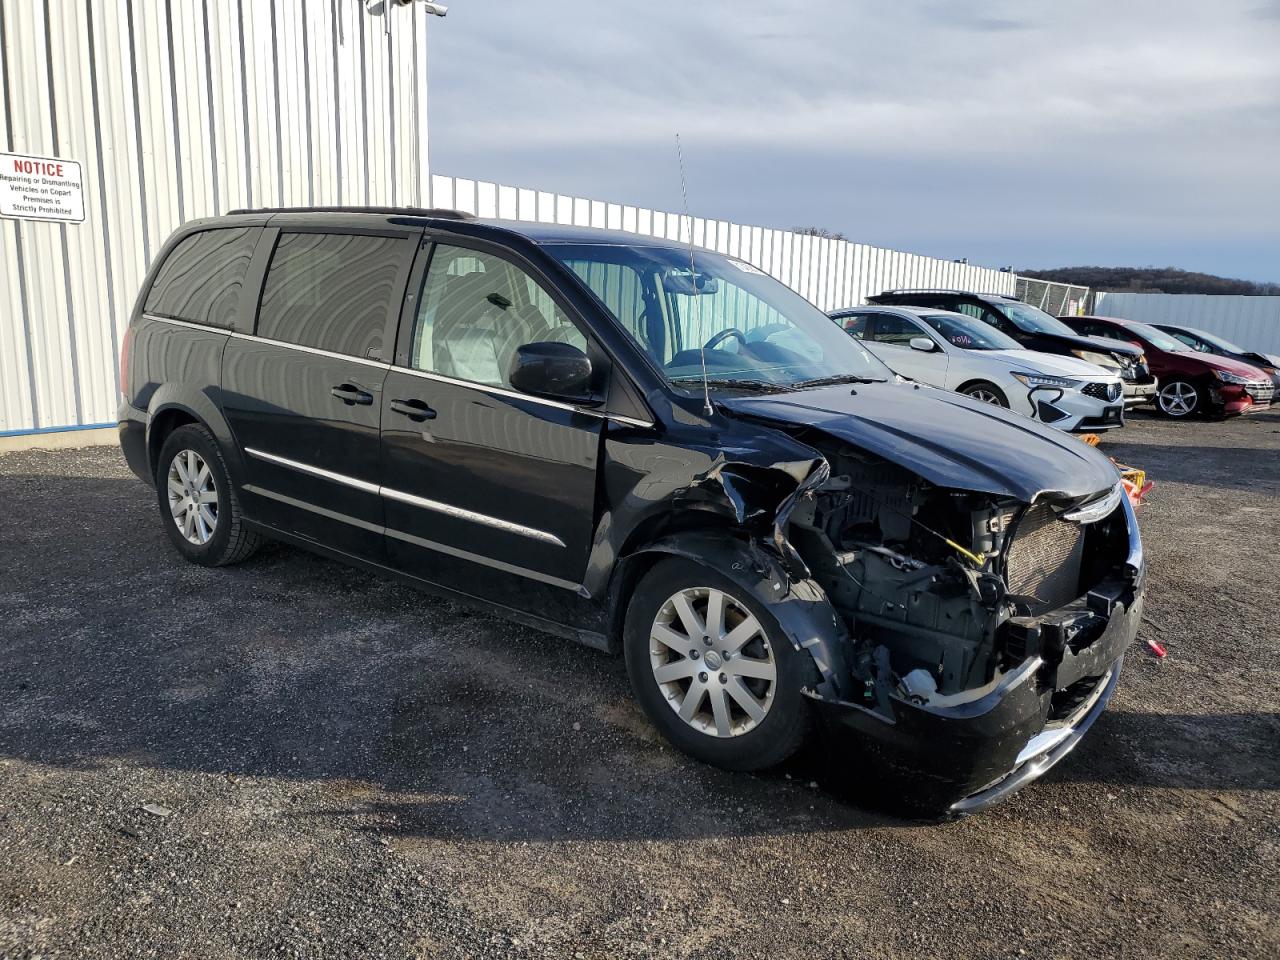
(122,119)
(125,118)
(1252,322)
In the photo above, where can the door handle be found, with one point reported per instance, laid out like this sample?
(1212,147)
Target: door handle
(351,395)
(413,409)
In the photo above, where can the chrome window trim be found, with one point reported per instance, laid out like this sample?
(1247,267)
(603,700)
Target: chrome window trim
(447,509)
(517,395)
(383,365)
(236,335)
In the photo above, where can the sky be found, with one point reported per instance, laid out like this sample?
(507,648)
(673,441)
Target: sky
(1036,133)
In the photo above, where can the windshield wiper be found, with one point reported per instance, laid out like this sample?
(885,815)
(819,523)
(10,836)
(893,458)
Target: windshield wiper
(840,378)
(761,386)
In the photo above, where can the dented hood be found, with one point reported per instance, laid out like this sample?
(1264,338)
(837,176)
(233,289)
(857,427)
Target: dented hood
(946,438)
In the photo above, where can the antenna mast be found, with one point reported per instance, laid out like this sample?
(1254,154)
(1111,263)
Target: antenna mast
(693,282)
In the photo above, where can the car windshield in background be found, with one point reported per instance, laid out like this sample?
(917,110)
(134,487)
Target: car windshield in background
(1034,320)
(753,331)
(971,334)
(1218,342)
(1157,338)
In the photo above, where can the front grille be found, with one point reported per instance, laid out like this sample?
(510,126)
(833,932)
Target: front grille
(1102,391)
(1260,392)
(1043,562)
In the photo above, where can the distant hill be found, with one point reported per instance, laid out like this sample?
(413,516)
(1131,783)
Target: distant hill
(1153,280)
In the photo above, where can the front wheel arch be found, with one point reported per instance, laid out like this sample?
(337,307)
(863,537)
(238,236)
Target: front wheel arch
(801,607)
(1001,397)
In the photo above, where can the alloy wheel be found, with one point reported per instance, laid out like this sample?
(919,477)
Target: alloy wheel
(986,396)
(712,662)
(193,497)
(1178,399)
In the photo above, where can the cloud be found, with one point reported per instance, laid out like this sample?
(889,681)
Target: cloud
(1158,120)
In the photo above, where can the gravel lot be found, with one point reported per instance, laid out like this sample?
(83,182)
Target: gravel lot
(355,769)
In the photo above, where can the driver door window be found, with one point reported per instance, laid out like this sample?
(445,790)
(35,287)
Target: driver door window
(475,310)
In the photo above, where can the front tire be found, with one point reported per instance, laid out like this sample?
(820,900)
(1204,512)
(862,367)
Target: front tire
(1179,399)
(985,392)
(198,505)
(713,670)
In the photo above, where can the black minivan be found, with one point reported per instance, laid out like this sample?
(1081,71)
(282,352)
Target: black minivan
(656,451)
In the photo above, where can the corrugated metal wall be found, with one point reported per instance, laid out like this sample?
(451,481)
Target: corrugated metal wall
(178,109)
(830,273)
(1251,322)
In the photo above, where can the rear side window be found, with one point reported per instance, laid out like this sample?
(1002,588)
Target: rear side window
(201,279)
(890,328)
(334,292)
(855,325)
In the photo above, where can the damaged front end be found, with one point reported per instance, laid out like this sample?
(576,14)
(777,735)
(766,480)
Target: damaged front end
(986,633)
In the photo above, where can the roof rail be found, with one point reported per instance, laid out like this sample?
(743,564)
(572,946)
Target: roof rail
(925,290)
(439,213)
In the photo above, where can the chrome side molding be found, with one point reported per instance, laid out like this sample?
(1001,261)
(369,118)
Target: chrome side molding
(413,500)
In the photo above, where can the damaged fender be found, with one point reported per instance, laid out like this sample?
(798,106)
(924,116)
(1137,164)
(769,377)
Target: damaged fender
(800,606)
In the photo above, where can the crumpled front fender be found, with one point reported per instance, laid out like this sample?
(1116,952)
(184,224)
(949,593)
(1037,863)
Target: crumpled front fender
(800,606)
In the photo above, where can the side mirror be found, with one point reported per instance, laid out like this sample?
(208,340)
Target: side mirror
(549,368)
(923,344)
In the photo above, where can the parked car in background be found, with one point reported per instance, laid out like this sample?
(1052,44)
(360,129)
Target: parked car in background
(954,351)
(1036,330)
(1191,383)
(673,457)
(1205,342)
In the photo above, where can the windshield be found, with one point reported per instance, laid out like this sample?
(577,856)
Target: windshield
(1034,320)
(754,332)
(971,334)
(1217,341)
(1157,338)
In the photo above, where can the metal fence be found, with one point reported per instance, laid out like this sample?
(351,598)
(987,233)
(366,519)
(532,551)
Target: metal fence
(1059,299)
(829,273)
(1251,322)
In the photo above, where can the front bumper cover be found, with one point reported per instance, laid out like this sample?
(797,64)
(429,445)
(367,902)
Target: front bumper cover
(964,758)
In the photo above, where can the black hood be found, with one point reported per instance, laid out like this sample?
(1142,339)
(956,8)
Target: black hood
(1096,344)
(949,440)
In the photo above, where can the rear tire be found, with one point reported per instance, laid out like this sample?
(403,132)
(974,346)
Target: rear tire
(744,711)
(986,393)
(198,504)
(1180,400)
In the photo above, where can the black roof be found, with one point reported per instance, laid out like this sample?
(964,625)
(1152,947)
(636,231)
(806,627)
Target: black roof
(931,291)
(540,233)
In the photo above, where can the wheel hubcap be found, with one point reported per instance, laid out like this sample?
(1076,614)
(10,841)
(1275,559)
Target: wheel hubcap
(1178,399)
(193,497)
(712,662)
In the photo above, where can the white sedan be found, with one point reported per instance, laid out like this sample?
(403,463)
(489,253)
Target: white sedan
(956,352)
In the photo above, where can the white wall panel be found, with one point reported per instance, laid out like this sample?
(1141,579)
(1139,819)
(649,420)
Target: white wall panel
(178,109)
(1251,322)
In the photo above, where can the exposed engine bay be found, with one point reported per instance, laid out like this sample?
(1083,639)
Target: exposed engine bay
(943,591)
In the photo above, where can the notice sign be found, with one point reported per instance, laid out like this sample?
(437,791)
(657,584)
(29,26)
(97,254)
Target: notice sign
(40,188)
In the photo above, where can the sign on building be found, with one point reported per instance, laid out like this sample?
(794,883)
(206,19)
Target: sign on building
(40,188)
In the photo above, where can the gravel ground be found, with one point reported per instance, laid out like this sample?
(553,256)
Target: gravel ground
(353,769)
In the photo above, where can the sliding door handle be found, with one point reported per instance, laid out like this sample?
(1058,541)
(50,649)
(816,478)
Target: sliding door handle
(351,395)
(413,409)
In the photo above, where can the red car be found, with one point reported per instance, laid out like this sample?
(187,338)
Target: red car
(1191,382)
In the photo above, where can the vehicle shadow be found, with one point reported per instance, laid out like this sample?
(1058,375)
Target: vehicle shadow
(406,714)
